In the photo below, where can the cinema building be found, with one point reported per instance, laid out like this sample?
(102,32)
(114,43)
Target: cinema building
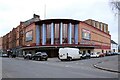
(51,34)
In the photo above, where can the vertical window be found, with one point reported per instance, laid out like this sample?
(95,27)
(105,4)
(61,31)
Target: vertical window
(73,33)
(64,33)
(57,32)
(105,30)
(48,33)
(101,26)
(41,34)
(94,24)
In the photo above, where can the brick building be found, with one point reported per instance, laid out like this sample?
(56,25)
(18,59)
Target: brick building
(1,44)
(49,35)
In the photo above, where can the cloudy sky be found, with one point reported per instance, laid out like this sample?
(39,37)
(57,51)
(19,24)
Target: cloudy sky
(14,11)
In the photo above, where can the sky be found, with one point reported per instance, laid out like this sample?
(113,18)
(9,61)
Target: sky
(14,11)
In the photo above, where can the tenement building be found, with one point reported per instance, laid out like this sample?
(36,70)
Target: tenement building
(0,45)
(49,35)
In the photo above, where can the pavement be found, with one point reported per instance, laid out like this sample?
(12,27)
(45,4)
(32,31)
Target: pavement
(108,65)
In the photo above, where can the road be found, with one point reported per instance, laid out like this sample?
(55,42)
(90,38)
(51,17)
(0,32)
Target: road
(54,68)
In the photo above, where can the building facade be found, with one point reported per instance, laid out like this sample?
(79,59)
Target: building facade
(94,39)
(49,35)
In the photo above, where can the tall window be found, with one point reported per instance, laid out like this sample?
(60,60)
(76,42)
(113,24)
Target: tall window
(101,26)
(94,24)
(40,34)
(105,28)
(65,33)
(57,32)
(48,41)
(73,33)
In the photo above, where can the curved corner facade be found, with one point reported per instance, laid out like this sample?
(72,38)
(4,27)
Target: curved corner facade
(51,34)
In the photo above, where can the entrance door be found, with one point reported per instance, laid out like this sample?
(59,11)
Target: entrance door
(84,52)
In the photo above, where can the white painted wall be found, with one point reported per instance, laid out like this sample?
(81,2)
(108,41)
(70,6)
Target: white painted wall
(114,47)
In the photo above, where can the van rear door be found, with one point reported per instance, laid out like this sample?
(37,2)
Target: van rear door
(62,53)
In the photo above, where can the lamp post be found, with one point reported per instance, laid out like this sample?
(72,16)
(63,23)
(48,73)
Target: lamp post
(118,7)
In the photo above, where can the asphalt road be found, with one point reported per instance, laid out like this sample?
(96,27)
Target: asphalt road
(54,68)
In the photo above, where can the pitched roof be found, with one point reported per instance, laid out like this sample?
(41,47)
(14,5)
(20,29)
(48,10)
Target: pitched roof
(35,18)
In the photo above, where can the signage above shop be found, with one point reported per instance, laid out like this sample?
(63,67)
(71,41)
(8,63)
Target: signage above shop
(86,34)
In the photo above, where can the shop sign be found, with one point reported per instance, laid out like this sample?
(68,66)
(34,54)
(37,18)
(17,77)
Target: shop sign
(86,34)
(29,35)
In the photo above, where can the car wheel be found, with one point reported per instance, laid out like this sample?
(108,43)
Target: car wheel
(39,59)
(46,59)
(80,58)
(61,59)
(24,57)
(27,57)
(69,58)
(33,58)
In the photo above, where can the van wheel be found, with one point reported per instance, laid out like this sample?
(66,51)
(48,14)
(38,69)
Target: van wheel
(61,59)
(46,59)
(80,58)
(69,58)
(36,59)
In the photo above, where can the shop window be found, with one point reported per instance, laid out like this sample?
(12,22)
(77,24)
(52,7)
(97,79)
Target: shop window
(57,41)
(48,41)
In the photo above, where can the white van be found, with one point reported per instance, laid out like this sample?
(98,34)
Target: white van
(69,54)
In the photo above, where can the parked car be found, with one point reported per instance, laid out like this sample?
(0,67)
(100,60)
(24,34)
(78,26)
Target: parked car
(118,53)
(94,55)
(40,56)
(5,55)
(28,56)
(114,53)
(69,54)
(108,54)
(101,54)
(86,56)
(13,55)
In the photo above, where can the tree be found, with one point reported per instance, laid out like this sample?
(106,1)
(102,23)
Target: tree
(115,5)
